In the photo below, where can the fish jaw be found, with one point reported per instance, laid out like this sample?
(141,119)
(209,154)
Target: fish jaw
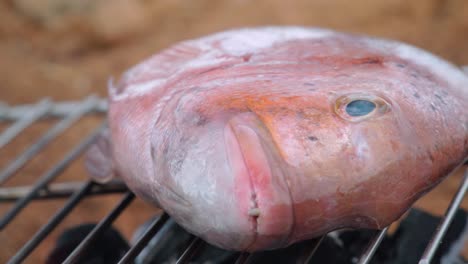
(262,191)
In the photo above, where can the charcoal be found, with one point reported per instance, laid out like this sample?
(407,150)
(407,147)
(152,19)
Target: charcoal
(107,248)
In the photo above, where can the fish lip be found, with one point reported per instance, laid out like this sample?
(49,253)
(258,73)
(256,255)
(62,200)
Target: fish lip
(242,179)
(270,209)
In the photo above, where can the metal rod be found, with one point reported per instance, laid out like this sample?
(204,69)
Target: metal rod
(49,176)
(372,247)
(36,112)
(103,225)
(243,258)
(52,133)
(56,110)
(53,222)
(445,223)
(60,190)
(133,252)
(314,248)
(191,250)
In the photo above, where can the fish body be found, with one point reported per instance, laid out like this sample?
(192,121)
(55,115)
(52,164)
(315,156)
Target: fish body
(256,138)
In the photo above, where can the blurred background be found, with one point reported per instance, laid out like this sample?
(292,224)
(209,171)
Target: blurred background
(67,49)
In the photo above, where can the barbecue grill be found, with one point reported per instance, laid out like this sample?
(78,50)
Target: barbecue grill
(15,119)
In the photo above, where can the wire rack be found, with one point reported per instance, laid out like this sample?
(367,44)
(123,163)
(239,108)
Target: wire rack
(19,117)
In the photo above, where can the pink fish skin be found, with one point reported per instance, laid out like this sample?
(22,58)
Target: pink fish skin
(254,139)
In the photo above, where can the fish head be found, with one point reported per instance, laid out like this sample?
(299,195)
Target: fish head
(292,141)
(351,148)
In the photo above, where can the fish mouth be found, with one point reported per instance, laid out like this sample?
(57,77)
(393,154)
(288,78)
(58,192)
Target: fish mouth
(262,192)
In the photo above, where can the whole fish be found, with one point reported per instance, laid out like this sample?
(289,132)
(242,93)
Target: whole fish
(256,138)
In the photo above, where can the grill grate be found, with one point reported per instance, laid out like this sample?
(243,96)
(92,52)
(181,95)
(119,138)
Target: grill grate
(20,117)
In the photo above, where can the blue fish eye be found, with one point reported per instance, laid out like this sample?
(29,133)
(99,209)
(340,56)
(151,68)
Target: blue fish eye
(360,107)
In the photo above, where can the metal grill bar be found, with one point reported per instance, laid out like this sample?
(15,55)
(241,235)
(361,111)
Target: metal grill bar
(246,257)
(133,252)
(243,258)
(35,113)
(444,224)
(372,247)
(49,176)
(53,222)
(105,223)
(190,251)
(56,110)
(86,106)
(314,248)
(60,190)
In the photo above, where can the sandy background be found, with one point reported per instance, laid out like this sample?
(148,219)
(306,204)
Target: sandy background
(68,49)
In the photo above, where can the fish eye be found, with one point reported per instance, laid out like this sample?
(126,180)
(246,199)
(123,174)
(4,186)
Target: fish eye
(360,107)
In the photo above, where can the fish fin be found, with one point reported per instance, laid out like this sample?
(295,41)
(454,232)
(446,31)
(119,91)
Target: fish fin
(98,159)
